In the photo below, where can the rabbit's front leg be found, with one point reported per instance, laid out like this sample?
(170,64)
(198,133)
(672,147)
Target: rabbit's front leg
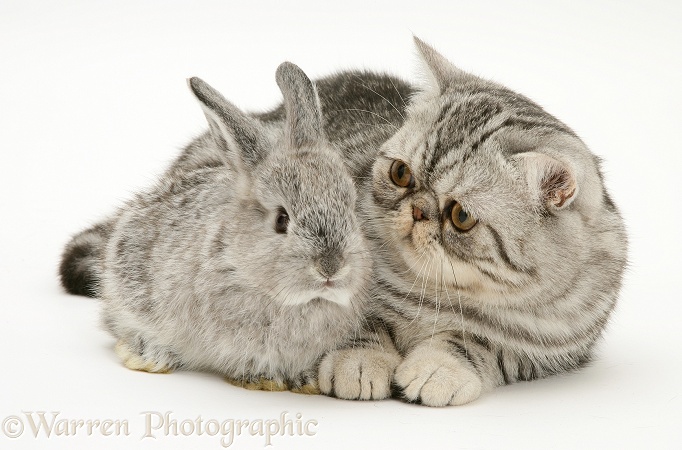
(304,383)
(258,383)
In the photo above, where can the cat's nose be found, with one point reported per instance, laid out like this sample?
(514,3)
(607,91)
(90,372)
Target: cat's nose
(418,214)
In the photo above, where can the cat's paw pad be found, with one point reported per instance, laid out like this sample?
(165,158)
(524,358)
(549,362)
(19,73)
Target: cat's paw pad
(133,360)
(258,384)
(436,378)
(358,374)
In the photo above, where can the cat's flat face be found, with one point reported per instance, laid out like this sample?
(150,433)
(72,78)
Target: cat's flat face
(483,192)
(445,206)
(458,194)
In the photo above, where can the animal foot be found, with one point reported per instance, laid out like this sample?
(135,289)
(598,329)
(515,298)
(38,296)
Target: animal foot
(133,359)
(358,374)
(436,378)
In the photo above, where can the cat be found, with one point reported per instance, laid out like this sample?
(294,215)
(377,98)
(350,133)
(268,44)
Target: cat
(498,252)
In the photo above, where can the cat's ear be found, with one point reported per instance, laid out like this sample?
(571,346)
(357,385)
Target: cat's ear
(552,182)
(239,136)
(441,72)
(302,106)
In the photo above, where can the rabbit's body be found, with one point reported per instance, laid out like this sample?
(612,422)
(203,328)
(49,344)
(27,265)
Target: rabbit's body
(175,290)
(253,268)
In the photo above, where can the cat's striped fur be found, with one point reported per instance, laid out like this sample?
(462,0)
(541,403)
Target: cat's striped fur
(523,294)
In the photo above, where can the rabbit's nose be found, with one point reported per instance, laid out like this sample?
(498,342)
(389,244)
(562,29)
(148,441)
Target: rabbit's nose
(328,265)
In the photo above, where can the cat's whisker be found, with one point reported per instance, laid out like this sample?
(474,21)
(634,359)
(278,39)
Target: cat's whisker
(461,310)
(387,100)
(438,288)
(388,122)
(416,278)
(422,295)
(376,125)
(399,94)
(413,265)
(387,242)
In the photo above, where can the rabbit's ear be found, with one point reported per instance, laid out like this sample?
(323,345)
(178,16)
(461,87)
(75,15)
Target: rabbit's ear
(239,135)
(302,106)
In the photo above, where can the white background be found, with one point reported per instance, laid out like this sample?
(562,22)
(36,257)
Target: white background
(93,106)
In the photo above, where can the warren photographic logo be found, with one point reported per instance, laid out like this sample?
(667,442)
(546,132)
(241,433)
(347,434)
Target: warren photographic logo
(157,425)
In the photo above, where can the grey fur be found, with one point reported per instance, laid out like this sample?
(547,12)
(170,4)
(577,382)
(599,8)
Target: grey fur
(525,293)
(360,111)
(194,273)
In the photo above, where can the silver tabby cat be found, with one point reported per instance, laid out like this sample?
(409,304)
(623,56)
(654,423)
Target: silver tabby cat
(498,252)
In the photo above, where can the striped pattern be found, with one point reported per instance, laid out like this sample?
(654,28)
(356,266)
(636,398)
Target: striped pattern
(528,291)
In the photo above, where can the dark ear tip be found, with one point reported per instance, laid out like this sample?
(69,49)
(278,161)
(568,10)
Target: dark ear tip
(195,83)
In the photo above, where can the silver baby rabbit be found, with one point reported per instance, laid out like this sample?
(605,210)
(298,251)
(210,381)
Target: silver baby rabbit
(253,268)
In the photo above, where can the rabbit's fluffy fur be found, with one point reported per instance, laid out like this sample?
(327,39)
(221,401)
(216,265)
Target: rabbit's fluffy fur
(252,268)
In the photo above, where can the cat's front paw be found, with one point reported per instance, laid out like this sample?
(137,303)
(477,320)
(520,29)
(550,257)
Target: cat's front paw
(358,374)
(436,378)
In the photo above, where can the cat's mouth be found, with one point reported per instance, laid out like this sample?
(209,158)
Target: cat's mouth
(424,235)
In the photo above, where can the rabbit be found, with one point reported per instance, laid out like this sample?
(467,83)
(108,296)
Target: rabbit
(253,268)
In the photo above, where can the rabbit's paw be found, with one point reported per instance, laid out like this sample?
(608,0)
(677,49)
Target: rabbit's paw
(358,373)
(258,384)
(436,378)
(307,389)
(134,359)
(305,383)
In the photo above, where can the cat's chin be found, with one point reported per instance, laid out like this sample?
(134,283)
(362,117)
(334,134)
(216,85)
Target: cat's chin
(435,266)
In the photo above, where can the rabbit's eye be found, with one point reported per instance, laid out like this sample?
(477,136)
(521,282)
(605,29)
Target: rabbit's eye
(282,221)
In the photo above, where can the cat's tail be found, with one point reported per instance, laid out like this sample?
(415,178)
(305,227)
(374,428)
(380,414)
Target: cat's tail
(80,268)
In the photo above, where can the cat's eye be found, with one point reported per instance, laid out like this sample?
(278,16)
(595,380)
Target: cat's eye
(281,221)
(401,174)
(461,219)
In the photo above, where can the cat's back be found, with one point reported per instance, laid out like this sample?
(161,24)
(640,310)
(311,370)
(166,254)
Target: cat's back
(361,110)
